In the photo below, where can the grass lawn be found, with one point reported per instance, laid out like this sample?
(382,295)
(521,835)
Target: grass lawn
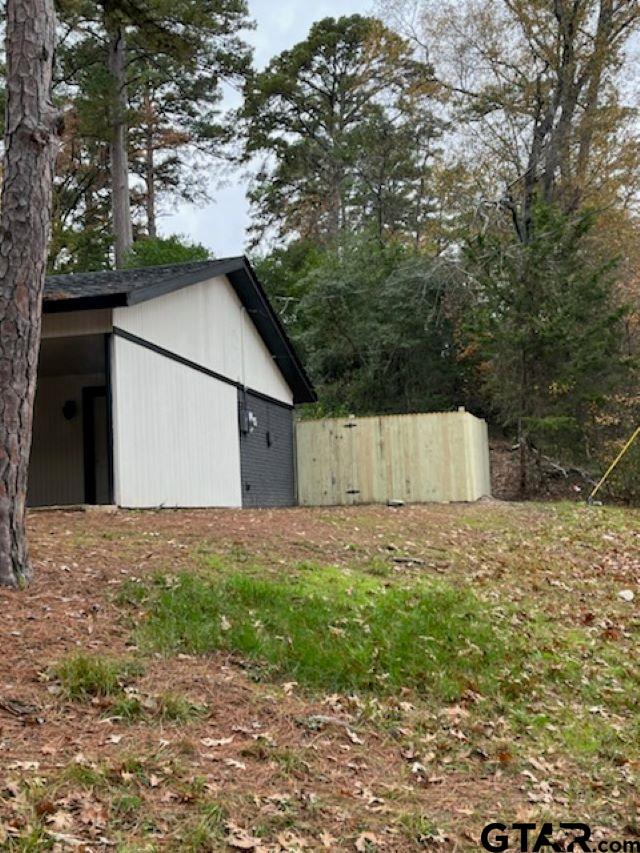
(332,679)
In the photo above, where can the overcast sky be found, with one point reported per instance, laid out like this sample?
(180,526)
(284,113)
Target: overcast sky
(221,224)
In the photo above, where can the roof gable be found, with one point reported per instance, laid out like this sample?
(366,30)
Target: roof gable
(122,288)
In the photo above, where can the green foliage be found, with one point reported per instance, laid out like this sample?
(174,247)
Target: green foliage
(543,329)
(127,805)
(83,676)
(31,840)
(131,592)
(130,709)
(330,631)
(345,117)
(624,483)
(163,251)
(283,272)
(83,245)
(557,434)
(372,322)
(176,708)
(609,430)
(179,56)
(178,124)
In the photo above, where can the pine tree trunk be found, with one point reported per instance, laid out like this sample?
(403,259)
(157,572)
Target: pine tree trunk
(122,227)
(152,228)
(25,223)
(150,169)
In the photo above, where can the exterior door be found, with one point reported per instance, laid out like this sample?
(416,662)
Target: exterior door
(97,446)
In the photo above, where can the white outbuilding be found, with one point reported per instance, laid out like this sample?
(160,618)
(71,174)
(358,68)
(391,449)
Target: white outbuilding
(168,386)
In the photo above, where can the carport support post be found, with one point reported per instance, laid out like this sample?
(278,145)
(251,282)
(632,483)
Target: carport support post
(25,221)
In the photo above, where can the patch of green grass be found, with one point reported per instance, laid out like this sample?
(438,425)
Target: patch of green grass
(32,840)
(591,738)
(126,805)
(205,831)
(420,828)
(83,676)
(84,776)
(177,708)
(334,630)
(483,522)
(290,761)
(102,776)
(379,568)
(132,592)
(168,707)
(137,766)
(238,554)
(128,708)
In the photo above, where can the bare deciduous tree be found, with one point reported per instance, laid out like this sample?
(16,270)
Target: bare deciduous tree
(535,90)
(24,236)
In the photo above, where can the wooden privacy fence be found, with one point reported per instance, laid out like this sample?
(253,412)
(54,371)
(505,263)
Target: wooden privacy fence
(411,458)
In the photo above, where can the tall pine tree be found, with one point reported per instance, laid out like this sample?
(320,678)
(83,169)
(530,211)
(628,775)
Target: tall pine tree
(150,80)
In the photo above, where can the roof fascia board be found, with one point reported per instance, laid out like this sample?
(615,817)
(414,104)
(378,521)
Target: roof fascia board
(84,303)
(266,321)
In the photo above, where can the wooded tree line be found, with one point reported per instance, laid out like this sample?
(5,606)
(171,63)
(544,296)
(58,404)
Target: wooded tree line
(453,190)
(444,196)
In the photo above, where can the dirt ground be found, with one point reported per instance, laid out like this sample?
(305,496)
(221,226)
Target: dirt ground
(558,485)
(362,778)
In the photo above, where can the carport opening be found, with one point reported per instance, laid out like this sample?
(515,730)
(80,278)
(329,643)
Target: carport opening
(71,450)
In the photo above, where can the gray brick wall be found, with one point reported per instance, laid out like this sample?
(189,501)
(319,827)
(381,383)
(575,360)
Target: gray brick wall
(266,454)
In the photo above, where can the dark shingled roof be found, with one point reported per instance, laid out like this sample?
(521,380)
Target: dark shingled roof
(111,284)
(120,288)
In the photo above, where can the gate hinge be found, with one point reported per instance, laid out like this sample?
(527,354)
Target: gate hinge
(353,491)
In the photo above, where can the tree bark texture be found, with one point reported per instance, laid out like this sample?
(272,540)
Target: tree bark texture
(25,222)
(122,226)
(150,169)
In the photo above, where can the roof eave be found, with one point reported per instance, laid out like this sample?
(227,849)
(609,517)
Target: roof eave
(84,303)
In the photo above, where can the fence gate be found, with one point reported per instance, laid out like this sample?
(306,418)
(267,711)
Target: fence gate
(350,449)
(412,458)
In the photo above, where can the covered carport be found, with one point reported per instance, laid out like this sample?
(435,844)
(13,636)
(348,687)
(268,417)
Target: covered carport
(71,454)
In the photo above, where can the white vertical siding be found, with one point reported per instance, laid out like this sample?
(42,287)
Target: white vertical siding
(176,437)
(207,324)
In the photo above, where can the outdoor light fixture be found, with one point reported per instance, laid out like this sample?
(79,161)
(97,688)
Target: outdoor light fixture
(70,410)
(248,421)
